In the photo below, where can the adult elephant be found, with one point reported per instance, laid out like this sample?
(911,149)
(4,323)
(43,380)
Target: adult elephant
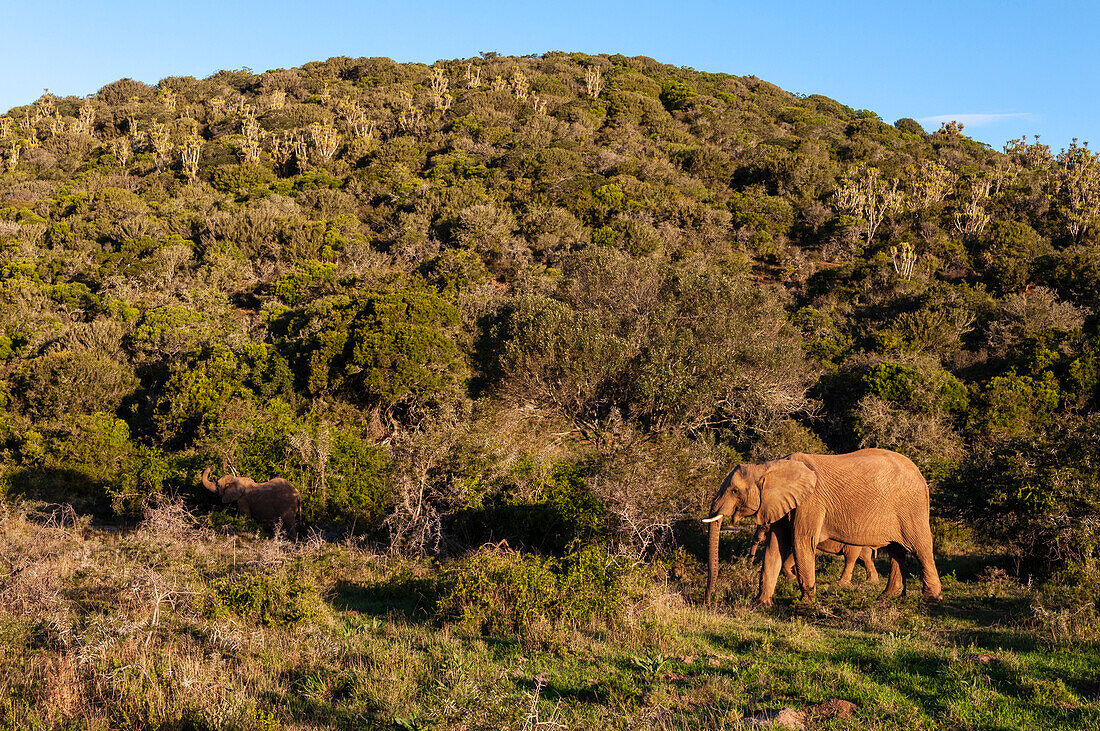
(873,497)
(271,502)
(851,554)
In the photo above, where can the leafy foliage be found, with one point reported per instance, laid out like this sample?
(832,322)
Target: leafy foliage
(497,593)
(349,272)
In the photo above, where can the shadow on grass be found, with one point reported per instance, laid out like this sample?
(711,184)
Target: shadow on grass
(618,690)
(328,697)
(411,598)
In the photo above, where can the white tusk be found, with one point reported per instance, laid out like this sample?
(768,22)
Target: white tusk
(711,520)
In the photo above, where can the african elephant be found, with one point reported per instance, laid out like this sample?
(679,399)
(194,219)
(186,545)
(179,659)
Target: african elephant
(873,497)
(851,555)
(265,502)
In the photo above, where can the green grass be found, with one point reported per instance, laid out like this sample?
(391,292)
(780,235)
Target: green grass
(115,630)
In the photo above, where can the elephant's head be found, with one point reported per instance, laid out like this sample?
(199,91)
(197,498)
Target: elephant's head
(229,488)
(767,491)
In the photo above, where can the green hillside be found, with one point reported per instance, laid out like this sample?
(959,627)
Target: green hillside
(429,295)
(426,294)
(545,303)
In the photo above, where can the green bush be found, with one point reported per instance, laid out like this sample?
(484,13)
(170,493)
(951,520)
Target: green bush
(304,281)
(454,271)
(271,599)
(928,390)
(193,402)
(352,485)
(910,126)
(381,348)
(1008,251)
(86,459)
(1040,495)
(242,179)
(166,334)
(359,491)
(509,593)
(1014,406)
(67,383)
(676,94)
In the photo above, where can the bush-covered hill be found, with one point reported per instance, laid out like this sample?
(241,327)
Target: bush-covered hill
(540,298)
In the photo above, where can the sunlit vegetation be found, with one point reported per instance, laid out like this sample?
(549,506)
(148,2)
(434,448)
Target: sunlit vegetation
(541,303)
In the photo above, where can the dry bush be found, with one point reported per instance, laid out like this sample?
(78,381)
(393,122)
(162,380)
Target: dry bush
(647,485)
(927,439)
(167,522)
(40,549)
(1028,313)
(416,524)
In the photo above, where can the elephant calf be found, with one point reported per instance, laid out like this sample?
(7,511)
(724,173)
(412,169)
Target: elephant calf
(851,554)
(271,502)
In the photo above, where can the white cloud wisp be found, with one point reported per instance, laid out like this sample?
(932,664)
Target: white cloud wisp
(973,119)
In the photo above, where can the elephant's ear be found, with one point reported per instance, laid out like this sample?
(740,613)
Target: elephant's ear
(786,483)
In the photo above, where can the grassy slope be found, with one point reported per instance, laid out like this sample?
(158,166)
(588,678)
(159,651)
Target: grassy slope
(84,644)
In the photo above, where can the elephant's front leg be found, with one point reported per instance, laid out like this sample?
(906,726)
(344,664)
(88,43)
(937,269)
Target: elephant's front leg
(788,566)
(775,553)
(804,561)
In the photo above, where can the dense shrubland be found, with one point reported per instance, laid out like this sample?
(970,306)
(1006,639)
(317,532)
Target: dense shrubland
(544,299)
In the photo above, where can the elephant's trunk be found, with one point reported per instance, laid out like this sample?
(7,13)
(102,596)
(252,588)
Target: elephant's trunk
(712,557)
(206,482)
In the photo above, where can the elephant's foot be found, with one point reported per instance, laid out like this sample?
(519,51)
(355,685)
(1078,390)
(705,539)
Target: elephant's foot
(932,596)
(809,596)
(789,574)
(873,580)
(844,583)
(761,602)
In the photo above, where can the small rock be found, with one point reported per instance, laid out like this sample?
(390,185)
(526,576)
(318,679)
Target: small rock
(835,708)
(783,718)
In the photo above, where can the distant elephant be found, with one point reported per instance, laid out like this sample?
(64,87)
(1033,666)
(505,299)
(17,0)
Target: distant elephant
(265,502)
(873,497)
(851,555)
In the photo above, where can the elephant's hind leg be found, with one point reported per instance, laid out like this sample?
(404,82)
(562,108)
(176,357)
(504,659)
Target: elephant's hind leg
(851,555)
(867,556)
(895,583)
(931,578)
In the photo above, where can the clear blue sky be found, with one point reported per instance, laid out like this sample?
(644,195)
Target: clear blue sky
(1003,68)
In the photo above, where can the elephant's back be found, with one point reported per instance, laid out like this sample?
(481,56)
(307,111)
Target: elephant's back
(872,496)
(875,470)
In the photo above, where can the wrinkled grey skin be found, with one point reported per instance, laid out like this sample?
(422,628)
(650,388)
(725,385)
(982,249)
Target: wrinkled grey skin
(873,497)
(268,503)
(851,554)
